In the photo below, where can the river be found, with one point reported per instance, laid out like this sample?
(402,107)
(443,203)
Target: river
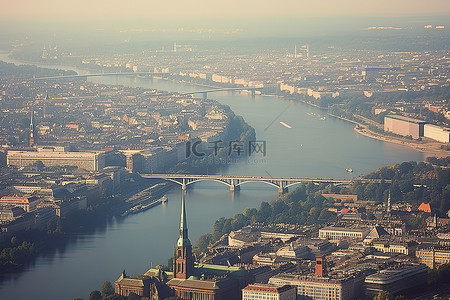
(310,148)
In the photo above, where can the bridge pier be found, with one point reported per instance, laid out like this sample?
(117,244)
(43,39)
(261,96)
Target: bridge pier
(205,96)
(282,190)
(234,188)
(253,93)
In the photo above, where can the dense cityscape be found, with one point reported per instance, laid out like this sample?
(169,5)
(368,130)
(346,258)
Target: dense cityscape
(82,157)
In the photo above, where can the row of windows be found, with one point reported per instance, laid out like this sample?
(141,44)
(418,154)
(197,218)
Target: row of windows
(339,234)
(262,297)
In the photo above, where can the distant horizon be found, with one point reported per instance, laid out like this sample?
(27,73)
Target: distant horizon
(194,9)
(207,28)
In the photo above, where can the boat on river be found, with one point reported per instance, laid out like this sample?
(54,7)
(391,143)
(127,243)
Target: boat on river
(143,207)
(285,125)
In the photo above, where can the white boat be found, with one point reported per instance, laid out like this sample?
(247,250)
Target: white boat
(285,125)
(349,170)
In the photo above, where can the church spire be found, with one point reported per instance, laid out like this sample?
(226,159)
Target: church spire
(388,208)
(32,128)
(183,264)
(183,240)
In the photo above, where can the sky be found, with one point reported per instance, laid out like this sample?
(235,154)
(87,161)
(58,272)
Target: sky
(35,10)
(138,20)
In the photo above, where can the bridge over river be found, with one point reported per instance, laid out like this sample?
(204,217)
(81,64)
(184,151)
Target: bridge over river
(234,182)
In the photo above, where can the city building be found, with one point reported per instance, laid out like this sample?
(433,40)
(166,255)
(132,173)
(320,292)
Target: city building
(338,233)
(90,161)
(404,126)
(9,213)
(322,285)
(150,284)
(396,280)
(125,285)
(433,256)
(347,287)
(438,133)
(26,203)
(269,292)
(387,246)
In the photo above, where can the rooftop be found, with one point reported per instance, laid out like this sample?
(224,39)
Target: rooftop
(407,119)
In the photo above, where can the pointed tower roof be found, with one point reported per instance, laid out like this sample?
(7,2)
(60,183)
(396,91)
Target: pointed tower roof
(183,240)
(388,210)
(32,128)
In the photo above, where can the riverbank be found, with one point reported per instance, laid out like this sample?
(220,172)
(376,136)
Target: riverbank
(429,148)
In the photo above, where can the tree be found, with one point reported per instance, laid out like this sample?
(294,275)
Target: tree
(383,295)
(203,241)
(264,212)
(107,289)
(170,264)
(133,296)
(95,295)
(115,297)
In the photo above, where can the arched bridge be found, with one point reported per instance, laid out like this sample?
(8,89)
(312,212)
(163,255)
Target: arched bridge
(99,74)
(234,182)
(205,92)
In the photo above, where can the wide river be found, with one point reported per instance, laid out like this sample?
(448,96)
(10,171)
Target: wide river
(310,148)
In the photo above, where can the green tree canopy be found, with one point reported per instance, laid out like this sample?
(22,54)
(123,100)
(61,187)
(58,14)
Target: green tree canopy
(107,289)
(95,295)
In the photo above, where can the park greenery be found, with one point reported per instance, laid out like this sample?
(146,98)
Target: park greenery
(27,71)
(351,106)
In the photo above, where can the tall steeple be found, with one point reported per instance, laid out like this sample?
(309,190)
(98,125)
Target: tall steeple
(32,128)
(388,209)
(183,263)
(183,240)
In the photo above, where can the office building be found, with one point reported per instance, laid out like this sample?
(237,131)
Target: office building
(437,133)
(347,287)
(338,233)
(90,161)
(433,256)
(268,292)
(404,126)
(396,280)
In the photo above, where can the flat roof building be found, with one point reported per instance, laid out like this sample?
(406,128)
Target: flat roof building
(396,280)
(323,288)
(90,161)
(404,126)
(387,246)
(269,292)
(433,256)
(437,133)
(339,233)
